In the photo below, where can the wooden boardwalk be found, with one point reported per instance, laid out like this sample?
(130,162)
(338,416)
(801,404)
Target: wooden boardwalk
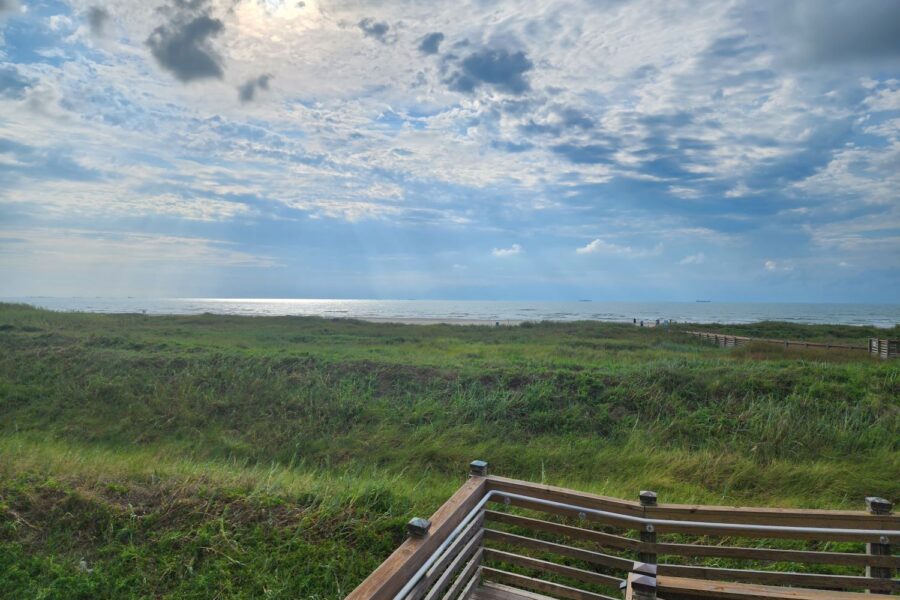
(506,539)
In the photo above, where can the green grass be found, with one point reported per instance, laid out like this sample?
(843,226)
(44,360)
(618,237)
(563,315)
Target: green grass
(247,457)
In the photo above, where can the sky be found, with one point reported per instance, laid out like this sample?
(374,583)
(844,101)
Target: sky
(541,150)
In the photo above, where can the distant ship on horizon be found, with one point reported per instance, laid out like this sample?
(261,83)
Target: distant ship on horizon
(704,301)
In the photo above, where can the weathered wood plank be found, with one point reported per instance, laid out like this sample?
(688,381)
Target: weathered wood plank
(530,583)
(447,576)
(807,580)
(466,578)
(603,539)
(462,544)
(558,494)
(724,529)
(776,555)
(490,590)
(546,566)
(595,558)
(848,519)
(696,550)
(680,587)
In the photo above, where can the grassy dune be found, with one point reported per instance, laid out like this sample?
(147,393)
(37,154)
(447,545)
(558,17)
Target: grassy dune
(240,457)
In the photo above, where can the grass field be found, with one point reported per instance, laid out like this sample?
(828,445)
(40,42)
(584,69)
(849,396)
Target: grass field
(279,457)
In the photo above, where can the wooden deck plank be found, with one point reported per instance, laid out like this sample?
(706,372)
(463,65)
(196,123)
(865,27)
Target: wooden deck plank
(497,591)
(683,587)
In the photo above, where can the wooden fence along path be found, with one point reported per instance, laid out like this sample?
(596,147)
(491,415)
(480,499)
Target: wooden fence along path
(728,341)
(561,543)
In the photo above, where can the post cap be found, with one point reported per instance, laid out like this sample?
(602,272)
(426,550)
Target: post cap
(642,568)
(418,527)
(478,467)
(643,583)
(879,506)
(648,498)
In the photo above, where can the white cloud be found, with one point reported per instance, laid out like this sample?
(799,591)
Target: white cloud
(771,265)
(885,99)
(870,175)
(599,246)
(85,247)
(693,259)
(513,250)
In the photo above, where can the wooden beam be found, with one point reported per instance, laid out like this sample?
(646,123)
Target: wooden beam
(695,550)
(595,558)
(777,555)
(848,519)
(578,533)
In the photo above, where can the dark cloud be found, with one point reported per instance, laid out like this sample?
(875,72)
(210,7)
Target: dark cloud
(42,163)
(183,47)
(586,154)
(838,31)
(431,43)
(502,69)
(97,18)
(379,30)
(513,147)
(247,91)
(13,84)
(8,6)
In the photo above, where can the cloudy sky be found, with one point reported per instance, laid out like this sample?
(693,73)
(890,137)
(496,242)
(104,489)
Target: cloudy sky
(622,150)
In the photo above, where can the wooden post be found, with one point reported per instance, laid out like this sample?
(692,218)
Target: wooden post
(478,468)
(879,506)
(648,533)
(641,582)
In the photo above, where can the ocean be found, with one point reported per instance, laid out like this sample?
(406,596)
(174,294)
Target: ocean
(880,315)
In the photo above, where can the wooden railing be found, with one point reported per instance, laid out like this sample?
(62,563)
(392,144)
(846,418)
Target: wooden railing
(568,544)
(884,348)
(729,341)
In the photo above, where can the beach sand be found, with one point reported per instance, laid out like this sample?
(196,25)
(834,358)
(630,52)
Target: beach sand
(441,321)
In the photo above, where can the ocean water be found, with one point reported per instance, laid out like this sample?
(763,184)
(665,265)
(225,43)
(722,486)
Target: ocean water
(881,315)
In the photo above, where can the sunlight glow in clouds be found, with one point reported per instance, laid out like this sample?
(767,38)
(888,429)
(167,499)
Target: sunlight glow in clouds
(639,149)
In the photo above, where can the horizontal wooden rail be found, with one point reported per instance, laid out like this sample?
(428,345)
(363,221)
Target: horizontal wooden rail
(716,514)
(539,585)
(603,539)
(776,555)
(589,556)
(697,550)
(546,566)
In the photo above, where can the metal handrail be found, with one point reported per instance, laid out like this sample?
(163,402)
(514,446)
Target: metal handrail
(649,525)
